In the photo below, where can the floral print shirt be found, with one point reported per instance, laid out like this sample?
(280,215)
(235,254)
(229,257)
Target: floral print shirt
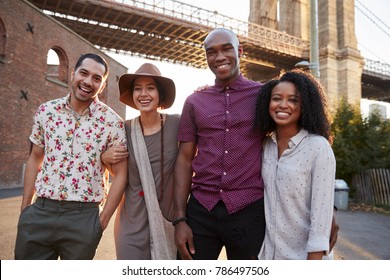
(72,169)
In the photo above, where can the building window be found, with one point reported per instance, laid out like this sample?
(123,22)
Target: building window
(57,66)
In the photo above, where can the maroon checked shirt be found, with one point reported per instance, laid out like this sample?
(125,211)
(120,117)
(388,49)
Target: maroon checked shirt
(227,165)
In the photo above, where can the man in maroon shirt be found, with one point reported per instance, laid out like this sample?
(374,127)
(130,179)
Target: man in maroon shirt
(218,186)
(219,162)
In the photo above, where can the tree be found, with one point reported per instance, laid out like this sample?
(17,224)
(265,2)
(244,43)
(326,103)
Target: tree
(359,143)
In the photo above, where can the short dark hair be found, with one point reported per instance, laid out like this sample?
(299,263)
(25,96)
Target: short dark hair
(95,57)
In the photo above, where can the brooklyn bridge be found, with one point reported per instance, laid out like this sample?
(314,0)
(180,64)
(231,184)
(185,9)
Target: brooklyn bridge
(173,31)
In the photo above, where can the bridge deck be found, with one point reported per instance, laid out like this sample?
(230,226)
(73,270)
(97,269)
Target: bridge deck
(173,31)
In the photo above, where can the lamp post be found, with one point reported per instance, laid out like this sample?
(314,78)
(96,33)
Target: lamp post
(314,57)
(313,65)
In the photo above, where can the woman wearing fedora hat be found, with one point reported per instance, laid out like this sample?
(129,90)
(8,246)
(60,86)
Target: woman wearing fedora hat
(142,226)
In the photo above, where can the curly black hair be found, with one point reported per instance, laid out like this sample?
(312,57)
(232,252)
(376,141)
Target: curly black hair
(315,116)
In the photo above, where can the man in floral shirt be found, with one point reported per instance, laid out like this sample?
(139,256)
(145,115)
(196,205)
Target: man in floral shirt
(65,172)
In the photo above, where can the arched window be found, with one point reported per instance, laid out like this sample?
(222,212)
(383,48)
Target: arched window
(57,66)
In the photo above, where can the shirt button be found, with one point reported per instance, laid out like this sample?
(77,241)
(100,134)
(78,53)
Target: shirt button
(224,173)
(227,88)
(226,152)
(227,112)
(227,129)
(228,94)
(220,190)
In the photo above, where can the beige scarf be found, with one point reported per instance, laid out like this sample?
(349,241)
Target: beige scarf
(162,242)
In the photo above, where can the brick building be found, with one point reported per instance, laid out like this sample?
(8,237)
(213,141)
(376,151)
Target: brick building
(27,80)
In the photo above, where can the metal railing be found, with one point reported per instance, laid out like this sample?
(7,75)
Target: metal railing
(377,67)
(257,34)
(190,13)
(252,32)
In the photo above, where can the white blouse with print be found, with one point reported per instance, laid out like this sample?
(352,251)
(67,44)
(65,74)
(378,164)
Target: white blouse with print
(299,196)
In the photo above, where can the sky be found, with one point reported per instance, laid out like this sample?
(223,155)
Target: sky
(373,43)
(373,37)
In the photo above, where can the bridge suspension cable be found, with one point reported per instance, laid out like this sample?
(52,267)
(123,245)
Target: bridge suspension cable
(385,28)
(379,64)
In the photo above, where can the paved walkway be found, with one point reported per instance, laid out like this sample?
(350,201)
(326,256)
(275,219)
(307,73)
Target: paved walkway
(362,236)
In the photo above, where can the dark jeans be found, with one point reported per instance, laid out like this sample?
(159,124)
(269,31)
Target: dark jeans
(241,233)
(51,229)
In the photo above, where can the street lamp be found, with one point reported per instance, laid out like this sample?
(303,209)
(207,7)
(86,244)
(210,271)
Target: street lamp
(307,65)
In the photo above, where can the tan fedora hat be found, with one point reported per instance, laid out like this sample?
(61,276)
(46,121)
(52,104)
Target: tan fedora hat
(147,69)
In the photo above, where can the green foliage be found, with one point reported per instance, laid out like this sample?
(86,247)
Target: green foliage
(359,143)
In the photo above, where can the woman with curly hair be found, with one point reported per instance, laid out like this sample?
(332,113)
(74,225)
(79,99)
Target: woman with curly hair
(298,167)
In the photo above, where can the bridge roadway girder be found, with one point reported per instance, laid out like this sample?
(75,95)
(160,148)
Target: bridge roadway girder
(131,30)
(135,31)
(375,87)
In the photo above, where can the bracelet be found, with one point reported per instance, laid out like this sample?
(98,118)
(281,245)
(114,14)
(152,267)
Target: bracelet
(178,220)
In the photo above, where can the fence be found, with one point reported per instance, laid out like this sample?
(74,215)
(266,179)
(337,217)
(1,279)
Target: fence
(372,186)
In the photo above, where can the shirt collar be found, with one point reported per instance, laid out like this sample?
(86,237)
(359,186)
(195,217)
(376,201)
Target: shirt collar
(91,109)
(295,140)
(237,84)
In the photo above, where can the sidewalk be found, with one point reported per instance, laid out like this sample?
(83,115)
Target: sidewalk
(362,236)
